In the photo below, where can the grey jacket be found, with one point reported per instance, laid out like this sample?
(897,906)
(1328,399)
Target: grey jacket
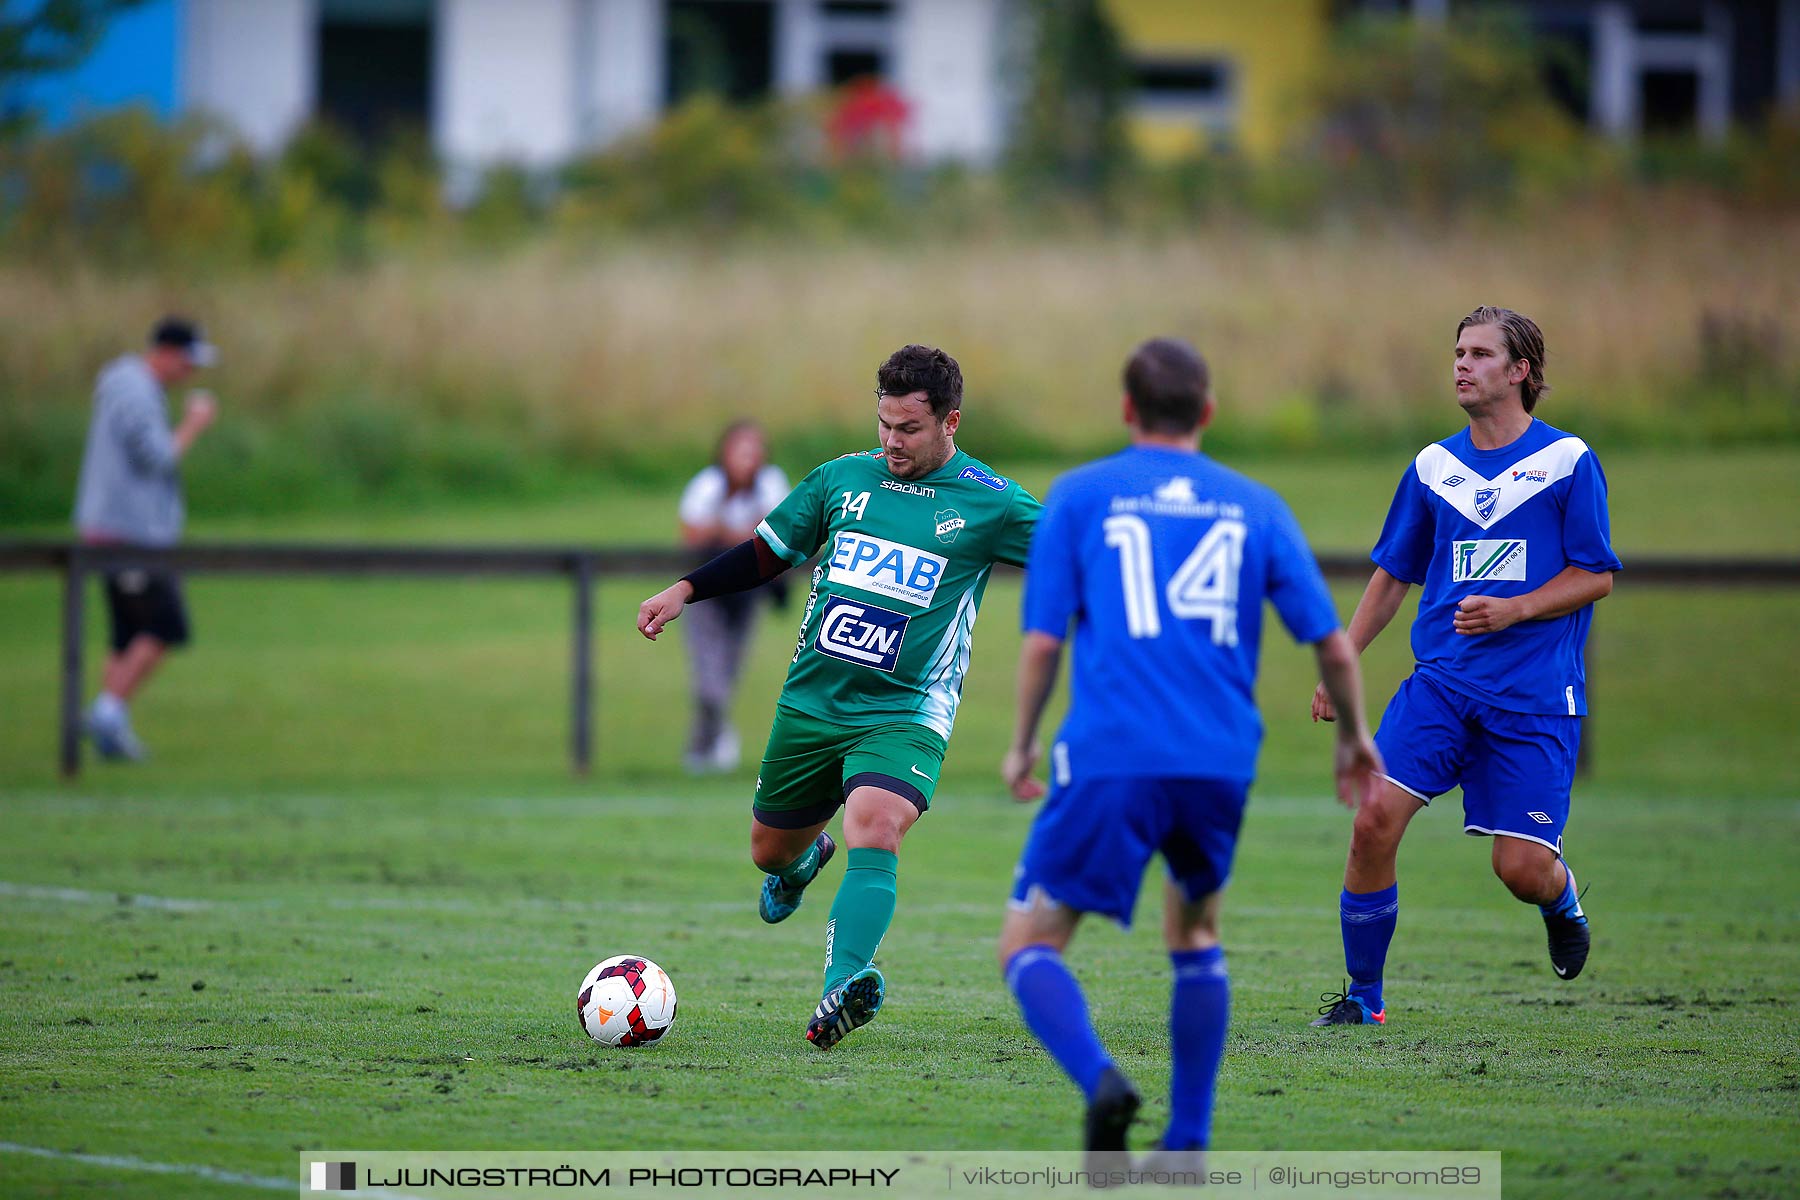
(130,473)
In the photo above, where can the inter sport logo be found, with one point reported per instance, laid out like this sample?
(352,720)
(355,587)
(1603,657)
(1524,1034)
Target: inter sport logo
(873,564)
(1477,560)
(861,633)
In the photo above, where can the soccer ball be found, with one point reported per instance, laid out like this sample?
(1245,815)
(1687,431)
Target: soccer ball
(626,1001)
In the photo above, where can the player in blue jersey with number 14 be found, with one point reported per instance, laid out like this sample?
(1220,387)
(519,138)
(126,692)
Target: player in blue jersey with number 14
(1161,560)
(1505,524)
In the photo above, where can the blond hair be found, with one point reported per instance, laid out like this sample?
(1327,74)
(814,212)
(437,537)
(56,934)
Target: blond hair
(1522,338)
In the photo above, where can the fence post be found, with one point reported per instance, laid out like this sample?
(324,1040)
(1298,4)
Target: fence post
(73,628)
(582,667)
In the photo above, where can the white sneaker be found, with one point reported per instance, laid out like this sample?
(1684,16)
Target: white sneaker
(725,753)
(113,736)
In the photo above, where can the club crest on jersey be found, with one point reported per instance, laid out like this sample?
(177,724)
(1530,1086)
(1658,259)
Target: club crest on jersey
(891,569)
(1179,490)
(861,633)
(982,477)
(949,524)
(1478,560)
(1486,499)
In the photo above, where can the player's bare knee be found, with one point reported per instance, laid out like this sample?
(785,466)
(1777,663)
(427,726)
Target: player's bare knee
(769,859)
(1375,834)
(770,849)
(1529,877)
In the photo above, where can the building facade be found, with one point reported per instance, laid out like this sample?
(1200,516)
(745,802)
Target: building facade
(534,82)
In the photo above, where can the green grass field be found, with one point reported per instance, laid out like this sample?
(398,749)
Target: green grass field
(348,902)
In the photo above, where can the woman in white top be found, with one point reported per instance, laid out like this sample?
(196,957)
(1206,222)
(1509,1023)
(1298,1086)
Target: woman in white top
(720,509)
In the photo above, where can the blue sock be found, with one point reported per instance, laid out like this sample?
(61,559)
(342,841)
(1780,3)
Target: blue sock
(1057,1014)
(1198,1013)
(1368,919)
(1570,904)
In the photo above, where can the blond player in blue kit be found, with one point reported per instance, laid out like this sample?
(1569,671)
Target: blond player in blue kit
(1505,524)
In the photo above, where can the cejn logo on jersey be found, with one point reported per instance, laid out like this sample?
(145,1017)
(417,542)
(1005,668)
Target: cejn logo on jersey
(1478,560)
(891,569)
(861,633)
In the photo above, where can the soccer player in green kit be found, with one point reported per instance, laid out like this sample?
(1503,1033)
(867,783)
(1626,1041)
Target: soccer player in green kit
(909,533)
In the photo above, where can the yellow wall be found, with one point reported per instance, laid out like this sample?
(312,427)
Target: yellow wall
(1274,47)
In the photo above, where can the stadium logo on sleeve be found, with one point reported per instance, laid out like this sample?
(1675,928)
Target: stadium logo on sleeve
(891,569)
(949,523)
(1478,560)
(861,633)
(1485,501)
(982,477)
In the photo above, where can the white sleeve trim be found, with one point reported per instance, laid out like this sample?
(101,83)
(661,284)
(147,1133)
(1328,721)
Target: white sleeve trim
(781,548)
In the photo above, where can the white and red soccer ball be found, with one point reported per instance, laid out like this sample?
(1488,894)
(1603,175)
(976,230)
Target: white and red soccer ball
(626,1001)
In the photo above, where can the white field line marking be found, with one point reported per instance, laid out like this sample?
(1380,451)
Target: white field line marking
(666,908)
(120,1163)
(26,891)
(117,1162)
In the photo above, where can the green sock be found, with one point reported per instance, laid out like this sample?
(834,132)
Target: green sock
(800,872)
(860,915)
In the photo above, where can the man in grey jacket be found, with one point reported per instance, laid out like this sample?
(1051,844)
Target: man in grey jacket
(130,494)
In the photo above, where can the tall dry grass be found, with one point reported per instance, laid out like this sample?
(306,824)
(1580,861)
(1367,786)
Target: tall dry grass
(1339,335)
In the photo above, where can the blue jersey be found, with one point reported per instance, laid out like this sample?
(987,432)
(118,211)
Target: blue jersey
(1162,560)
(1468,522)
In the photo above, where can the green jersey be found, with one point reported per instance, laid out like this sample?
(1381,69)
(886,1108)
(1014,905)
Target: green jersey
(888,625)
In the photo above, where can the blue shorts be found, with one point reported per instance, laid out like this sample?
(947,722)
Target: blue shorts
(1089,845)
(1515,769)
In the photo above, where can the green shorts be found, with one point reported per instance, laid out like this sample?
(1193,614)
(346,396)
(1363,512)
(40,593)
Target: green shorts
(811,766)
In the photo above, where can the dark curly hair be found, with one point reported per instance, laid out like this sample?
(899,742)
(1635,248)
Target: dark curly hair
(923,369)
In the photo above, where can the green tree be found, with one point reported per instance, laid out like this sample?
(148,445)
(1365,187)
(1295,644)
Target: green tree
(45,37)
(1071,131)
(1434,117)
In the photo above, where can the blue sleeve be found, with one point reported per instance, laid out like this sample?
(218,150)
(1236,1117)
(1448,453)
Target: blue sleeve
(1296,585)
(1587,529)
(1053,570)
(1404,548)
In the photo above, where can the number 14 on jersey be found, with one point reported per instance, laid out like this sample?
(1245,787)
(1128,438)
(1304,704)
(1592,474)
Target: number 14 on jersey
(1203,588)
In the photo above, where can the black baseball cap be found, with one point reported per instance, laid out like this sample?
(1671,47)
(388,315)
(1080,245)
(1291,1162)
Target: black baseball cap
(187,336)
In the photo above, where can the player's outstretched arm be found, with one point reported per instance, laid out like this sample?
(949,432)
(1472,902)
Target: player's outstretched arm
(746,565)
(1356,761)
(1039,658)
(1570,589)
(1381,599)
(663,607)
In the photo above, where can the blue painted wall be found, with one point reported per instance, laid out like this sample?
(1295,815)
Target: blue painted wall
(135,63)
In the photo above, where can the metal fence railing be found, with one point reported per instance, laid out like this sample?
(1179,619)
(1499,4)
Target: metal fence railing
(584,567)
